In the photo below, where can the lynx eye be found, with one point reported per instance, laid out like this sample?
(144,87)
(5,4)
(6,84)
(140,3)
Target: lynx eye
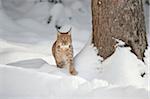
(69,46)
(58,46)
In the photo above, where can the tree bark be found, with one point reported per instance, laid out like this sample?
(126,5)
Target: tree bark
(119,19)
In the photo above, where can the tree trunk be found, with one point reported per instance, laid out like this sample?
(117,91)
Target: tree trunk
(120,19)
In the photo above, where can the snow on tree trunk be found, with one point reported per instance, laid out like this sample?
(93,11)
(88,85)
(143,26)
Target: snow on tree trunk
(120,19)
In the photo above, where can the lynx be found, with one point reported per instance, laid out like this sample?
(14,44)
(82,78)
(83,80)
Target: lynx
(62,51)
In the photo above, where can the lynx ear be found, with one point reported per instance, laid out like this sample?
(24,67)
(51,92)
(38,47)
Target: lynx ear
(69,32)
(58,32)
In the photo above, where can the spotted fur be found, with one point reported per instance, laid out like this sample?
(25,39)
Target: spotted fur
(63,52)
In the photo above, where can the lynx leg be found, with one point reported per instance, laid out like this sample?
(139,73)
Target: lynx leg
(70,66)
(59,62)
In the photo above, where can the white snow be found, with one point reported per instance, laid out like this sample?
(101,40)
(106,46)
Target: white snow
(28,69)
(29,84)
(65,28)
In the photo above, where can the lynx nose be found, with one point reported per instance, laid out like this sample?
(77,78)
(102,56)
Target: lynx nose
(64,43)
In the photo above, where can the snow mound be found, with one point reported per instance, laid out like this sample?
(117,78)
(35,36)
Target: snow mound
(27,66)
(123,68)
(65,29)
(19,83)
(88,63)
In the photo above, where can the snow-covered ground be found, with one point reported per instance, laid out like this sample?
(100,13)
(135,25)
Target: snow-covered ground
(28,69)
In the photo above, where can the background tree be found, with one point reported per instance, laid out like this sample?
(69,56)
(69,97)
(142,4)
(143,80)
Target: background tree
(120,19)
(52,1)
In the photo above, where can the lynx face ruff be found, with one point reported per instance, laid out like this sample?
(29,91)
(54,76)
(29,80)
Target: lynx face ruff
(63,52)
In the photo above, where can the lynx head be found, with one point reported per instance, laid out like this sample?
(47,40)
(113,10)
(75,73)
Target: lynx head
(64,39)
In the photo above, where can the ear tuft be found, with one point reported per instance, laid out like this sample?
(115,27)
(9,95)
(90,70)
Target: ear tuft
(70,29)
(69,32)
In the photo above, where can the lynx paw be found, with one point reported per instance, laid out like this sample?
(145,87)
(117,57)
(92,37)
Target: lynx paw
(60,65)
(73,71)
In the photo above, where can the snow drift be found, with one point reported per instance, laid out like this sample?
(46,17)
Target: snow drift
(28,69)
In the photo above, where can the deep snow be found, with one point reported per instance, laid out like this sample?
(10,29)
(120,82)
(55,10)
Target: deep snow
(28,69)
